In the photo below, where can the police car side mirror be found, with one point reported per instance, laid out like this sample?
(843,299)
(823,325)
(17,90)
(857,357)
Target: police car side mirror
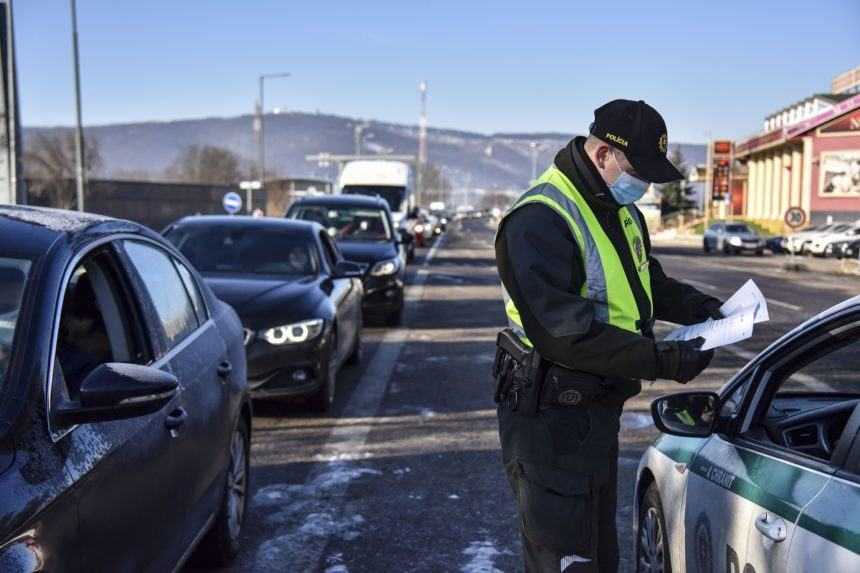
(688,414)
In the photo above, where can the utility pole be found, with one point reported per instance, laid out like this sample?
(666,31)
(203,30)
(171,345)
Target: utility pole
(79,129)
(261,132)
(356,135)
(422,141)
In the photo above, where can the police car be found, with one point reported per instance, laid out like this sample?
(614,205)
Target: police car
(765,474)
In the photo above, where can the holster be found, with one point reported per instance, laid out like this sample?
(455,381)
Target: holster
(519,374)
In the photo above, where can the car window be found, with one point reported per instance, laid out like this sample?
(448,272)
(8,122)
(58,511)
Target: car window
(13,279)
(95,323)
(247,250)
(737,229)
(193,291)
(812,393)
(716,227)
(347,223)
(172,304)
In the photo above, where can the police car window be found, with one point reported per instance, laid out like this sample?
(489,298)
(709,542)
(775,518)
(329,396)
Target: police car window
(811,396)
(166,290)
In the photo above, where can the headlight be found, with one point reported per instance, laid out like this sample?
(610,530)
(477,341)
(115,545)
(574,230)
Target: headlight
(735,241)
(419,228)
(293,333)
(384,268)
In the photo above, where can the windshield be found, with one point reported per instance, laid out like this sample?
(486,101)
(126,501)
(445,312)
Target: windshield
(13,278)
(737,229)
(247,251)
(392,195)
(347,223)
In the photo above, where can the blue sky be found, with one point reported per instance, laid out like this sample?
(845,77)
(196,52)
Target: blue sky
(709,67)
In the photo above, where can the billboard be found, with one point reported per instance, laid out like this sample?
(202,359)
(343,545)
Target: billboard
(840,174)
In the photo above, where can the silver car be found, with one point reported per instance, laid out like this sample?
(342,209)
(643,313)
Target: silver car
(763,475)
(731,238)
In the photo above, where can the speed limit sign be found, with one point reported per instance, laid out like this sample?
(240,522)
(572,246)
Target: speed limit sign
(795,217)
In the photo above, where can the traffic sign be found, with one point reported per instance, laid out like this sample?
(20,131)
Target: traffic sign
(232,202)
(795,217)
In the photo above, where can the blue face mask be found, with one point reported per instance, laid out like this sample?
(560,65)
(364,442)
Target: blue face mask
(627,189)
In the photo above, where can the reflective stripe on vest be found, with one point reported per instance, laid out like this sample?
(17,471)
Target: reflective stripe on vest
(606,283)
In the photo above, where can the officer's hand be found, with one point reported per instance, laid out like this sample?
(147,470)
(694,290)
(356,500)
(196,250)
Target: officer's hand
(681,360)
(711,309)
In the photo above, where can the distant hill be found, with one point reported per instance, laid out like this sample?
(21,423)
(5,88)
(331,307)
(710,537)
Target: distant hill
(468,159)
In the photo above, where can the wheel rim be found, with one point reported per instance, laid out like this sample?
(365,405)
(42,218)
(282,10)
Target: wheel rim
(651,550)
(237,484)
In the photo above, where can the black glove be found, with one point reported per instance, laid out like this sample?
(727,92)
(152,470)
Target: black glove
(681,360)
(711,309)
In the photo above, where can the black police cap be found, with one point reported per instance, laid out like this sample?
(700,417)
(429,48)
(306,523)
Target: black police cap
(639,131)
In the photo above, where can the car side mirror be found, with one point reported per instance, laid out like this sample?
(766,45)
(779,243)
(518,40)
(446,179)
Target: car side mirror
(348,270)
(118,391)
(689,414)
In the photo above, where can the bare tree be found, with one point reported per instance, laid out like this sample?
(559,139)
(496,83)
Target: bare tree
(206,164)
(49,166)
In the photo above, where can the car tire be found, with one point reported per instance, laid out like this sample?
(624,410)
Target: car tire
(357,349)
(220,545)
(395,318)
(320,401)
(705,246)
(652,543)
(727,250)
(759,252)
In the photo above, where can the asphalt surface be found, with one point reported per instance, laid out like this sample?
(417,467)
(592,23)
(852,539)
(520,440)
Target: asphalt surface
(405,473)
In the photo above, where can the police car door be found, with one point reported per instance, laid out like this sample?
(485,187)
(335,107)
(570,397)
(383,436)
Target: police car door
(716,518)
(804,427)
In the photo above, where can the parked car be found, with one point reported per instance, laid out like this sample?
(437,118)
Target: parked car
(363,229)
(731,238)
(775,245)
(851,250)
(763,475)
(843,232)
(298,299)
(125,421)
(798,242)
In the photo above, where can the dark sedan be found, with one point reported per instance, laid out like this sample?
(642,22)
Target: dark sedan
(299,300)
(363,229)
(124,411)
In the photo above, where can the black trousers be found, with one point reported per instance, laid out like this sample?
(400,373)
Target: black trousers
(562,465)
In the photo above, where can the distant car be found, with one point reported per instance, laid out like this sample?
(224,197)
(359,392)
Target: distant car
(839,233)
(775,245)
(731,238)
(799,241)
(363,229)
(299,300)
(763,475)
(125,421)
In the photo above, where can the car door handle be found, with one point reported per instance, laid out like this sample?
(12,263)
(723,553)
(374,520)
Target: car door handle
(176,419)
(225,369)
(771,527)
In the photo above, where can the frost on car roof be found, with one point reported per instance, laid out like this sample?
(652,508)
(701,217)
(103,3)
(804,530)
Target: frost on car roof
(53,219)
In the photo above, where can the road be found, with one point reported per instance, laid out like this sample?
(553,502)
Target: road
(405,473)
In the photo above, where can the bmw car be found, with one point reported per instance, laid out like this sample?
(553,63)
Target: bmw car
(125,419)
(763,475)
(363,229)
(299,300)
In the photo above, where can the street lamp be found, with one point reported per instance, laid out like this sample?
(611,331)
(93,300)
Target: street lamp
(357,135)
(79,130)
(261,134)
(534,146)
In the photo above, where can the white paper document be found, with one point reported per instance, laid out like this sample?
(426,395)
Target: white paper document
(745,308)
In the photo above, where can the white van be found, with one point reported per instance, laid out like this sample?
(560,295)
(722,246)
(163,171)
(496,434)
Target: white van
(388,179)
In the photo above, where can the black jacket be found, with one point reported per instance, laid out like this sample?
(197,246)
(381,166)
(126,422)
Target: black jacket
(542,269)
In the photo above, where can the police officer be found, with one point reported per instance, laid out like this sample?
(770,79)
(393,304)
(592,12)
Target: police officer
(581,295)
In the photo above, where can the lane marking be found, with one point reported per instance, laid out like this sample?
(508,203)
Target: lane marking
(787,305)
(770,301)
(807,380)
(698,284)
(365,402)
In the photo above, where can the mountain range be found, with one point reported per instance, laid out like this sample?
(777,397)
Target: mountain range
(467,159)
